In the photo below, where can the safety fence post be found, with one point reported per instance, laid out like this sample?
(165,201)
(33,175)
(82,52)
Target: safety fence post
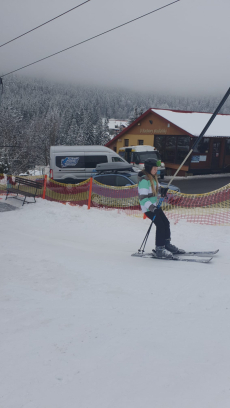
(90,192)
(44,188)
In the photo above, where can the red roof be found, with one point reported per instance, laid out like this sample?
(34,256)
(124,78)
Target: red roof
(129,127)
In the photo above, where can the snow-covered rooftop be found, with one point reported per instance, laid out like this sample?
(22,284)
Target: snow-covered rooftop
(194,122)
(116,123)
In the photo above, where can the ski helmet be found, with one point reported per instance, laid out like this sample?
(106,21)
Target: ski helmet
(150,163)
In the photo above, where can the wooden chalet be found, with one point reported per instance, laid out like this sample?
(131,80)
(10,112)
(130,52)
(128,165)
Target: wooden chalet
(173,133)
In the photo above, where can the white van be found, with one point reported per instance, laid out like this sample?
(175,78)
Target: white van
(136,155)
(73,164)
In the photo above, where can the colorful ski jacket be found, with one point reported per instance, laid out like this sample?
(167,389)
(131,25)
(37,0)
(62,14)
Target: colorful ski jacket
(147,200)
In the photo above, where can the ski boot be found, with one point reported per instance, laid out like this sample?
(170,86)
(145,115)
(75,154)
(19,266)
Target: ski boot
(172,248)
(162,252)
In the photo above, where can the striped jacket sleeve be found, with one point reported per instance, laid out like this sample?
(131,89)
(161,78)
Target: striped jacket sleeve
(147,199)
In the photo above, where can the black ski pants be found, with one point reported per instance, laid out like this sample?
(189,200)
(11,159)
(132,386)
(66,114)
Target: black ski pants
(162,226)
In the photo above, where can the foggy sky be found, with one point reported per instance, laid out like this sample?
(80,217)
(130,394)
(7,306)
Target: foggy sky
(182,49)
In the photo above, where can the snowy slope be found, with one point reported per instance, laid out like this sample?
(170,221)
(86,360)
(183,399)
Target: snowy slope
(85,325)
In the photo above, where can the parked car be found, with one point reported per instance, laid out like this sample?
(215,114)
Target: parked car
(121,175)
(118,175)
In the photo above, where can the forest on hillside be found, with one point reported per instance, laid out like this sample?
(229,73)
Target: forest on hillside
(36,114)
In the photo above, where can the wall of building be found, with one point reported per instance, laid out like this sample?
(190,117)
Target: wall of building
(206,162)
(145,130)
(153,124)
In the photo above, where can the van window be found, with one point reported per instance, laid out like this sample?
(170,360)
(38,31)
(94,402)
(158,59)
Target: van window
(117,159)
(72,162)
(92,161)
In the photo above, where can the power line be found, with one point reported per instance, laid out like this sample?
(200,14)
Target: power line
(91,38)
(68,11)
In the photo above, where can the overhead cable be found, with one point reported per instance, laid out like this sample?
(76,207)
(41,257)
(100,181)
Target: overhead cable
(52,19)
(91,38)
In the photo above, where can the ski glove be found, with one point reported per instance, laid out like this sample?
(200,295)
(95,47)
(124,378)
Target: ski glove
(156,211)
(164,191)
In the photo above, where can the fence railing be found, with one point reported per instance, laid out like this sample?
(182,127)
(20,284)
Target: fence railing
(210,208)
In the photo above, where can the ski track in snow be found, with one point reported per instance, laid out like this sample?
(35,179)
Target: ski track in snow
(83,324)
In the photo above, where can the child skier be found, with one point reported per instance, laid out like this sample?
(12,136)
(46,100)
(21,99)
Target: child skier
(148,191)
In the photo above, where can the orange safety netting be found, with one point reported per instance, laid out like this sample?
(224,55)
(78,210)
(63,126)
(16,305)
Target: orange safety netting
(210,208)
(121,198)
(75,194)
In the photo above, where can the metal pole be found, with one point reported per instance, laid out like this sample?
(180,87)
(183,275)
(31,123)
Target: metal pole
(1,92)
(202,133)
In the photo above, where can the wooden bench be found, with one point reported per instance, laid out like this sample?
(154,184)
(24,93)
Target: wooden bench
(36,185)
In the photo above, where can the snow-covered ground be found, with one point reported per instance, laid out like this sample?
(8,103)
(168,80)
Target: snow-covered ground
(85,325)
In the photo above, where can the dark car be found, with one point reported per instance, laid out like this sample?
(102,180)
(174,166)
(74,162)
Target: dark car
(118,175)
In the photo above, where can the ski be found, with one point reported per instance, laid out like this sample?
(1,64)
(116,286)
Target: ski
(174,258)
(191,253)
(199,253)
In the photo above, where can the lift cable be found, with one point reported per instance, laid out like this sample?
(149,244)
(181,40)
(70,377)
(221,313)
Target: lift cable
(91,38)
(52,19)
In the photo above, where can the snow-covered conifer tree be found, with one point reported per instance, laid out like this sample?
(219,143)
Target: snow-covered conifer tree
(88,128)
(99,133)
(72,135)
(4,165)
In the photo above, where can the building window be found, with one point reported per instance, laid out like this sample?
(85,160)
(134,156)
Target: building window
(126,142)
(183,145)
(140,142)
(203,146)
(115,148)
(159,143)
(227,150)
(170,149)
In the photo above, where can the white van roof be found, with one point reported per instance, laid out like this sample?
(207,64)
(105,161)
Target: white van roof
(63,149)
(139,148)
